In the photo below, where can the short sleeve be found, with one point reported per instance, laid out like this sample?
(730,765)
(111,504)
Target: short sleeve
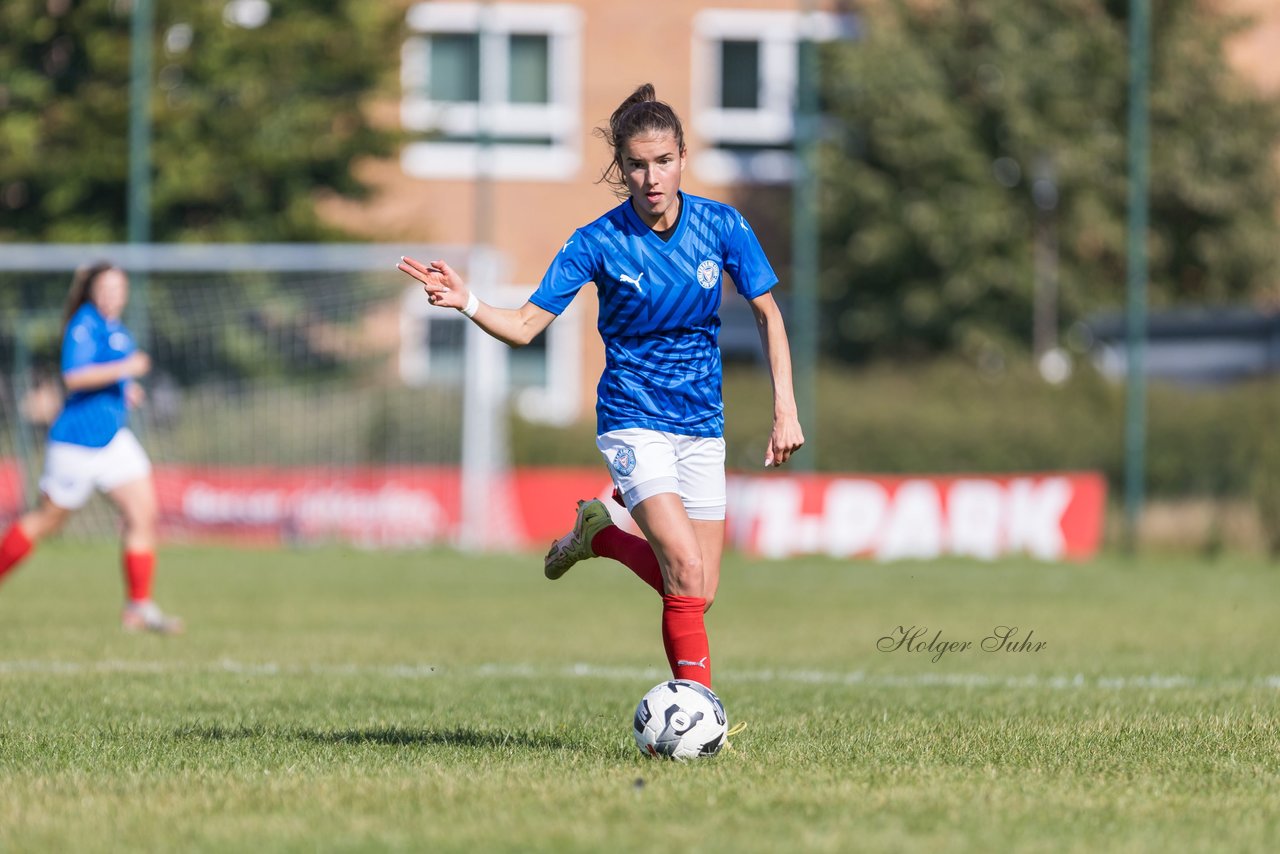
(745,260)
(80,344)
(574,266)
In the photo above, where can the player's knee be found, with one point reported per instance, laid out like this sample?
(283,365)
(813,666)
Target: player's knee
(139,521)
(684,575)
(43,522)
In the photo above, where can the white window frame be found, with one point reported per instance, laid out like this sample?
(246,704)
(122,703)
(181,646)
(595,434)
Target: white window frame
(772,123)
(560,119)
(556,402)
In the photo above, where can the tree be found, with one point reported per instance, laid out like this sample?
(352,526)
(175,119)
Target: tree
(250,120)
(946,112)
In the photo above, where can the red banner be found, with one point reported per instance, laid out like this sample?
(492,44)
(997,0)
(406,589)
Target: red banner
(1048,516)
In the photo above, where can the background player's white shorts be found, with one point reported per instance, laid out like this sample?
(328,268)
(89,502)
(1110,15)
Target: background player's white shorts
(73,472)
(644,463)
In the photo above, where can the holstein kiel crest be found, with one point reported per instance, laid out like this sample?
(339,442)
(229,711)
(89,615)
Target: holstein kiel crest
(708,273)
(624,462)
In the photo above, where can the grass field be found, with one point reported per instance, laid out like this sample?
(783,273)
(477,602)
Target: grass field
(338,700)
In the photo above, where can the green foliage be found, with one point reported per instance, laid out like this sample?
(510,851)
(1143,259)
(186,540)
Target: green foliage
(946,114)
(248,124)
(429,701)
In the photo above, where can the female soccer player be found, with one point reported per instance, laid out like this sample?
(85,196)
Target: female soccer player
(91,448)
(656,261)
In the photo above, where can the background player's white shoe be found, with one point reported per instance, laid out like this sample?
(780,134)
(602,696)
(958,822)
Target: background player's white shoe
(147,617)
(593,517)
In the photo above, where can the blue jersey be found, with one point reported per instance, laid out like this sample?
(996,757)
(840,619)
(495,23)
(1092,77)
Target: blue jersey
(659,303)
(93,417)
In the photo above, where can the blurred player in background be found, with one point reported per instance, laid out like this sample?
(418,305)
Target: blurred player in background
(656,261)
(90,447)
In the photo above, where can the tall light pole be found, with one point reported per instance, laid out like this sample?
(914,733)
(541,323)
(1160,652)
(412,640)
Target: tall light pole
(139,188)
(804,240)
(1136,283)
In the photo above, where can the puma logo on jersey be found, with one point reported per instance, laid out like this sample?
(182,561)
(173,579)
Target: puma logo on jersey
(702,662)
(630,281)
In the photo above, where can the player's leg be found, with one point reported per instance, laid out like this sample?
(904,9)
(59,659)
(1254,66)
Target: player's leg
(65,486)
(126,478)
(29,529)
(667,527)
(710,535)
(635,457)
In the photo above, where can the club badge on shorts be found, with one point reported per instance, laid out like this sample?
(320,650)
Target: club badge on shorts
(624,462)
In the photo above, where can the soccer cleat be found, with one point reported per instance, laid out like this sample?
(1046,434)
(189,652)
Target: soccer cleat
(593,517)
(147,617)
(733,730)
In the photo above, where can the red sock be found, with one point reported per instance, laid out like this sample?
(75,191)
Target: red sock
(13,548)
(633,552)
(684,634)
(138,569)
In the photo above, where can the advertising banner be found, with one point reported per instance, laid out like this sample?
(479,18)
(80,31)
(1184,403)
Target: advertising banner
(1051,516)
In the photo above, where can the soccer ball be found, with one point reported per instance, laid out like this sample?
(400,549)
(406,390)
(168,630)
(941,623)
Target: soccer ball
(680,719)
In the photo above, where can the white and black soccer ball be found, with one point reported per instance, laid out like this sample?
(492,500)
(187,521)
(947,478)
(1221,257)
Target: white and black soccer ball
(680,719)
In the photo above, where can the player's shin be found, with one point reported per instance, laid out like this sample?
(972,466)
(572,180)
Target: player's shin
(684,635)
(13,548)
(631,551)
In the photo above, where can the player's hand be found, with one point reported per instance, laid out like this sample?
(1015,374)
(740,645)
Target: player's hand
(134,395)
(443,286)
(785,440)
(137,364)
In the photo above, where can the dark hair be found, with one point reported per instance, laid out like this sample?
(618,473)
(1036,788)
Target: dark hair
(82,289)
(641,113)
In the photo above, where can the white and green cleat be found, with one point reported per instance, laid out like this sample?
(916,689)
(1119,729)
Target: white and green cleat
(593,517)
(147,617)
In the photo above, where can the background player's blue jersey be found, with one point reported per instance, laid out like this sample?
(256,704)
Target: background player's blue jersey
(659,303)
(92,418)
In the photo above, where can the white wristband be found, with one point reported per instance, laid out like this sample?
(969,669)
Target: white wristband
(472,306)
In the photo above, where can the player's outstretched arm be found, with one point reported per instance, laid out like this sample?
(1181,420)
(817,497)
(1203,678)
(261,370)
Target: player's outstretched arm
(446,289)
(786,437)
(102,374)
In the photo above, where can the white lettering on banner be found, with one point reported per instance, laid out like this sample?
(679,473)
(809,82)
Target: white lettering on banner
(772,512)
(1035,515)
(391,515)
(976,511)
(915,523)
(209,505)
(855,511)
(920,519)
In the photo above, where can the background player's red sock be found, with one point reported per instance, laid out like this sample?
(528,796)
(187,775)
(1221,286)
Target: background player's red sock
(13,548)
(633,552)
(139,567)
(684,634)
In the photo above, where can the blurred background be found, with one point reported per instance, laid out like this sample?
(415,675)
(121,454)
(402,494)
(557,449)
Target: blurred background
(972,206)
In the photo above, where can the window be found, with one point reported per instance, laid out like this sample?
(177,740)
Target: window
(745,72)
(494,87)
(543,377)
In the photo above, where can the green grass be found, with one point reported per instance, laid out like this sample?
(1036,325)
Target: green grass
(340,700)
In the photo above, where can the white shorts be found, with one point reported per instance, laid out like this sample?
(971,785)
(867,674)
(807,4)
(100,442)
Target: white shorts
(644,463)
(73,472)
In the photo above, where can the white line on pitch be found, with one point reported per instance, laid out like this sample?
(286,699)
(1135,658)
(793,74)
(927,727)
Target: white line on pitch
(269,669)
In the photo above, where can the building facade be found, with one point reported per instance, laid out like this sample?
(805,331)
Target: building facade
(500,100)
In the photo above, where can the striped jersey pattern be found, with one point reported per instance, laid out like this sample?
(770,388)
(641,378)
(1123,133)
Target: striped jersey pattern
(659,303)
(92,418)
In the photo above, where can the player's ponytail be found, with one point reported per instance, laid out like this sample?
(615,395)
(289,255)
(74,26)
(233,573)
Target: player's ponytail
(82,290)
(640,113)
